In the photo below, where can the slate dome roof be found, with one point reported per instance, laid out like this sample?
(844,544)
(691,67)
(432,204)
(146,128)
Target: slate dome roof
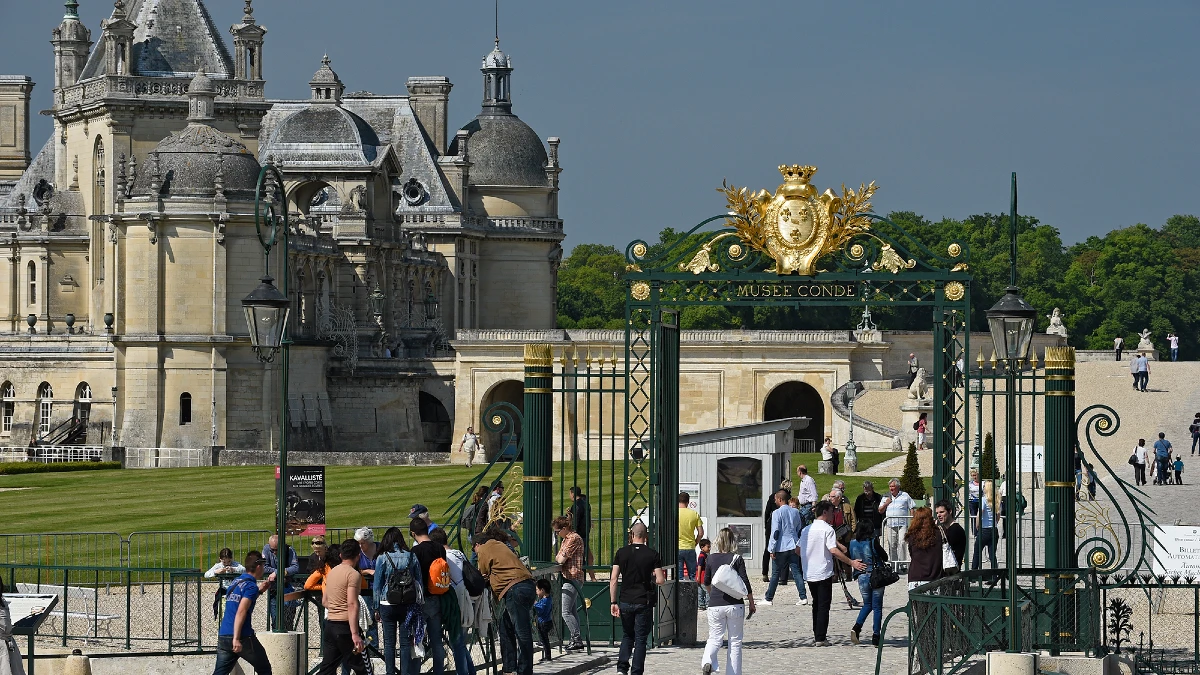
(504,151)
(324,133)
(188,164)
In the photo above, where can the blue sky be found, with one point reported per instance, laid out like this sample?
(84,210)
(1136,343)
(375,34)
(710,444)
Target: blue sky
(1093,104)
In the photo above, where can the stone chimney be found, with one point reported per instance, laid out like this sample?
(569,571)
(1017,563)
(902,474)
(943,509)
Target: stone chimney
(14,125)
(429,98)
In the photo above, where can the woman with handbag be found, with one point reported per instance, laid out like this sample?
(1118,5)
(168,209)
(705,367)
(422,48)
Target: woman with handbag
(730,603)
(924,549)
(865,547)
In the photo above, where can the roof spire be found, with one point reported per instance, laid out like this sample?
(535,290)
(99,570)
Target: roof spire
(118,10)
(248,12)
(497,24)
(72,10)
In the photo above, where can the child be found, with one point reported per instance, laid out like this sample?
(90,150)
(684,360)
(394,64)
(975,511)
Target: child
(701,568)
(1179,470)
(794,503)
(544,609)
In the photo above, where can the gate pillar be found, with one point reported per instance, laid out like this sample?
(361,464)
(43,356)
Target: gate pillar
(536,495)
(1060,484)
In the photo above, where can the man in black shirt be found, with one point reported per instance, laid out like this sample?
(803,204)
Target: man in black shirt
(426,551)
(581,522)
(866,507)
(955,534)
(640,570)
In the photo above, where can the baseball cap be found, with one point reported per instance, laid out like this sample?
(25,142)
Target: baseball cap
(417,510)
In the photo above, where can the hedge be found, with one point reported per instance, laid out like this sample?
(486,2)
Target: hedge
(14,468)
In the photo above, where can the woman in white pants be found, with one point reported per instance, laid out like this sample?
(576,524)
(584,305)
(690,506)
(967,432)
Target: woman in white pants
(726,614)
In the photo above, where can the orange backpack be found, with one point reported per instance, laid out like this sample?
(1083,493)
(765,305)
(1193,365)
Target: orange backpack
(439,577)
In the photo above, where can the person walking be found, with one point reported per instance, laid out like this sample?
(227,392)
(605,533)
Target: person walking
(690,529)
(394,619)
(953,534)
(1178,470)
(924,549)
(866,507)
(783,547)
(727,614)
(1162,455)
(1194,430)
(1173,340)
(235,638)
(819,546)
(1118,345)
(1077,458)
(512,584)
(1139,458)
(341,640)
(985,528)
(570,559)
(913,366)
(897,506)
(1134,362)
(865,547)
(768,514)
(1143,371)
(10,654)
(806,494)
(640,570)
(469,445)
(1091,482)
(922,428)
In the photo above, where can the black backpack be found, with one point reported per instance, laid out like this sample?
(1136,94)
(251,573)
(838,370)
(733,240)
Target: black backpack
(402,584)
(472,579)
(468,517)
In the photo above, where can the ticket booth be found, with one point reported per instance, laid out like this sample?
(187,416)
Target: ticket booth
(730,473)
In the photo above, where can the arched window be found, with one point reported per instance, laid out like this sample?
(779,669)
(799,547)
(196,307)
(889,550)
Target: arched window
(120,58)
(185,408)
(8,395)
(32,283)
(45,398)
(83,402)
(99,200)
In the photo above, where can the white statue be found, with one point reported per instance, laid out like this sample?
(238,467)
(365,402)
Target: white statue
(1144,345)
(919,389)
(1056,324)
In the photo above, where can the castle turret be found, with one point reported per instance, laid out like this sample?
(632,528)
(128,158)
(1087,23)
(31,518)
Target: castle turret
(72,43)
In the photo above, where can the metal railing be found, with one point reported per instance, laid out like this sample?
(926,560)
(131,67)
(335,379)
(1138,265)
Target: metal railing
(159,458)
(52,454)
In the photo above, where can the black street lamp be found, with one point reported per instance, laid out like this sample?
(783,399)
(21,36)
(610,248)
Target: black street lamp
(431,306)
(267,312)
(1011,323)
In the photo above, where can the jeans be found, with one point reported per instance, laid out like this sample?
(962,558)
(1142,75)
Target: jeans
(516,628)
(1195,442)
(570,609)
(635,624)
(1174,353)
(432,609)
(463,664)
(687,564)
(785,560)
(872,602)
(544,628)
(702,594)
(985,537)
(728,619)
(252,652)
(973,509)
(1162,470)
(897,547)
(392,619)
(339,648)
(822,598)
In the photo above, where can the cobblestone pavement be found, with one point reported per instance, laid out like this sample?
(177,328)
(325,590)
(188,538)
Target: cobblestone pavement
(778,639)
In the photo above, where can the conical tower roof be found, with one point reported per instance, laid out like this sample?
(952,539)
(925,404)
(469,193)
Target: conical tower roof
(174,38)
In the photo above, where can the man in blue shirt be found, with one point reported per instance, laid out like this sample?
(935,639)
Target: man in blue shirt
(236,638)
(782,544)
(1162,455)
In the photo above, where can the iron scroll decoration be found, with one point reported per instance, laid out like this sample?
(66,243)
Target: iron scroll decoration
(265,210)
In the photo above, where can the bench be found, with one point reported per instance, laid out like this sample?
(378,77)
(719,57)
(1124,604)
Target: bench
(72,596)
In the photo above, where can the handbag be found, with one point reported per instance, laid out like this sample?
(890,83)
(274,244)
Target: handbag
(949,560)
(1133,459)
(729,582)
(883,576)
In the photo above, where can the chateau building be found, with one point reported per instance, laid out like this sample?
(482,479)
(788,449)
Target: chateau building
(129,241)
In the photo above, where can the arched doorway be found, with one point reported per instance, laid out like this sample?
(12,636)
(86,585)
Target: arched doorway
(798,399)
(509,391)
(435,423)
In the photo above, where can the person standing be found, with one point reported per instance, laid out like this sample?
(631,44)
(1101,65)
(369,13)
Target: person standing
(1139,462)
(973,498)
(1078,460)
(913,366)
(783,547)
(427,551)
(922,428)
(235,638)
(1178,471)
(727,614)
(1118,345)
(1173,340)
(866,548)
(690,529)
(469,445)
(639,569)
(271,566)
(819,546)
(458,599)
(898,506)
(10,654)
(341,640)
(511,583)
(1194,429)
(985,528)
(570,559)
(1162,455)
(866,508)
(316,559)
(394,557)
(924,549)
(807,494)
(953,534)
(768,514)
(581,522)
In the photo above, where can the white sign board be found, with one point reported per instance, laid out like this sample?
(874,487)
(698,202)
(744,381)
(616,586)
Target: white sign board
(1177,550)
(693,490)
(1033,458)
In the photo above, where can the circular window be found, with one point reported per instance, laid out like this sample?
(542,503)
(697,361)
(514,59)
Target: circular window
(414,192)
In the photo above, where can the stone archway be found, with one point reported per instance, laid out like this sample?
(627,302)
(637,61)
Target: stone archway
(798,399)
(508,391)
(435,423)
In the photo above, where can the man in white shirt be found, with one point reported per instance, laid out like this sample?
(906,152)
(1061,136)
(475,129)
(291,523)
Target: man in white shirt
(807,495)
(819,546)
(469,445)
(897,506)
(1139,463)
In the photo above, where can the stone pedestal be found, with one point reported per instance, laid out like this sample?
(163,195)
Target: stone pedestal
(77,664)
(1004,663)
(286,652)
(827,467)
(850,461)
(912,412)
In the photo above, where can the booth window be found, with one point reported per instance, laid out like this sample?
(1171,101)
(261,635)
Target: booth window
(739,487)
(185,408)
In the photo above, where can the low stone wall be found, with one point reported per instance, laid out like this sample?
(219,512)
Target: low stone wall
(1082,355)
(264,457)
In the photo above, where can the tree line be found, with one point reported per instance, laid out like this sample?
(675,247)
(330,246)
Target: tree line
(1131,278)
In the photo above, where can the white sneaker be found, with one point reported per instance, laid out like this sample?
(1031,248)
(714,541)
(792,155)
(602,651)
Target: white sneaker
(801,602)
(764,603)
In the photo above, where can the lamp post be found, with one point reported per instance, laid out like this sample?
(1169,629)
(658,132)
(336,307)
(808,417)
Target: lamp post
(851,393)
(267,310)
(431,307)
(1011,324)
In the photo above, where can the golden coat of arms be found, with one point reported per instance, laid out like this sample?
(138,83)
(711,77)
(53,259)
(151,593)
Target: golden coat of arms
(796,226)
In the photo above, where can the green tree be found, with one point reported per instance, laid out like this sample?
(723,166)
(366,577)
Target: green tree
(988,469)
(911,481)
(591,291)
